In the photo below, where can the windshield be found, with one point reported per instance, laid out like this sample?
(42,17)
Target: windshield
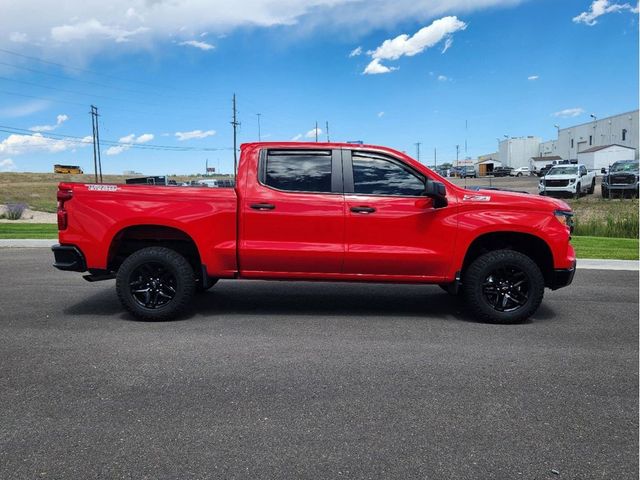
(625,167)
(563,171)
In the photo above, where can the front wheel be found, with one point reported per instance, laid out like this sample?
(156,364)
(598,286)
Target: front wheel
(592,188)
(519,174)
(604,192)
(578,191)
(155,283)
(503,286)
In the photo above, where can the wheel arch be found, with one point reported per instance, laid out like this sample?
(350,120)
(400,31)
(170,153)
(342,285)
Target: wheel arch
(132,238)
(528,244)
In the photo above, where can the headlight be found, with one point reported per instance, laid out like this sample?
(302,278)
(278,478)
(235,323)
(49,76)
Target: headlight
(565,218)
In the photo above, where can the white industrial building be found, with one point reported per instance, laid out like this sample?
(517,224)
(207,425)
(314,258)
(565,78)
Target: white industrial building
(611,137)
(515,152)
(597,158)
(621,129)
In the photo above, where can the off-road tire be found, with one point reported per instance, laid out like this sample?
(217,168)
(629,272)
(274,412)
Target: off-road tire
(176,265)
(604,192)
(477,273)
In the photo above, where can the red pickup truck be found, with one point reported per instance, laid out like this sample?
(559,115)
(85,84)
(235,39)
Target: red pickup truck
(318,211)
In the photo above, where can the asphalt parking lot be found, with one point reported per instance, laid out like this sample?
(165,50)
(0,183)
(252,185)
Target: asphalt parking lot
(313,380)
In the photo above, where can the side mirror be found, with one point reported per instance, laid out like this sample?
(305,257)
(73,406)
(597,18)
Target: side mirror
(603,171)
(437,191)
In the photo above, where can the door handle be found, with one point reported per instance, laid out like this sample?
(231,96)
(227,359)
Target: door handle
(263,206)
(363,209)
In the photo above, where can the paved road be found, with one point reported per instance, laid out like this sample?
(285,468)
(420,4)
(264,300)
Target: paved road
(293,380)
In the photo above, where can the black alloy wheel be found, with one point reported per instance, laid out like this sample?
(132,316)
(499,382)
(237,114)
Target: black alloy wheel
(152,286)
(506,289)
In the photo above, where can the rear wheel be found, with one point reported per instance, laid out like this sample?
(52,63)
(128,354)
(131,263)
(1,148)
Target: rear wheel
(155,283)
(503,286)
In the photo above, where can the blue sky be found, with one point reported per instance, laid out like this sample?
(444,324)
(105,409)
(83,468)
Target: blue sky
(165,78)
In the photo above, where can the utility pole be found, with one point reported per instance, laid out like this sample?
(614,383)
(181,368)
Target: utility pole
(316,130)
(327,126)
(457,154)
(417,144)
(234,124)
(97,160)
(435,158)
(259,136)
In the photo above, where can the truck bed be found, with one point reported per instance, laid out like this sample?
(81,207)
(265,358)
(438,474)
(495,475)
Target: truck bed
(99,215)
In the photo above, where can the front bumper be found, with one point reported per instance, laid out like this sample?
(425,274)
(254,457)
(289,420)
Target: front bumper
(68,257)
(615,187)
(563,277)
(568,189)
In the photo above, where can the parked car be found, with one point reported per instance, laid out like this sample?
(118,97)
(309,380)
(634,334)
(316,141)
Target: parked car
(519,172)
(573,180)
(502,171)
(621,179)
(317,211)
(468,171)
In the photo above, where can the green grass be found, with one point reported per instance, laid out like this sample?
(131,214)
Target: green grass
(28,230)
(609,248)
(597,217)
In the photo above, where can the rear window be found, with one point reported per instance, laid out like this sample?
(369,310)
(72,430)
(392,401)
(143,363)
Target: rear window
(299,171)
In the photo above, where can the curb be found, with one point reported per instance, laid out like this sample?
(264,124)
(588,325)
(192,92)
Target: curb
(583,264)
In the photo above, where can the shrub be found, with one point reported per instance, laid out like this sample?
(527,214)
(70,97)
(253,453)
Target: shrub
(15,211)
(622,225)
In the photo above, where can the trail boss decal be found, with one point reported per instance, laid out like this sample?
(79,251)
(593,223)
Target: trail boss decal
(476,198)
(101,188)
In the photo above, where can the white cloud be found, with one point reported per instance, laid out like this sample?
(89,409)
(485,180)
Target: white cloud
(194,134)
(117,149)
(569,112)
(447,44)
(380,114)
(197,44)
(144,138)
(16,144)
(313,132)
(93,28)
(18,37)
(24,109)
(442,78)
(127,141)
(533,77)
(296,137)
(375,68)
(88,27)
(599,8)
(355,52)
(7,165)
(405,45)
(60,119)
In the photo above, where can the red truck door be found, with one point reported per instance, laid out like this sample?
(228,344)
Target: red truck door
(391,227)
(292,213)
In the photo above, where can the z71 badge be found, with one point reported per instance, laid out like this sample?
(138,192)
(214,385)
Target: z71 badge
(476,198)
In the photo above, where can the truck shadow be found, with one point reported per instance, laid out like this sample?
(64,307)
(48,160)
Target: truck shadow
(275,298)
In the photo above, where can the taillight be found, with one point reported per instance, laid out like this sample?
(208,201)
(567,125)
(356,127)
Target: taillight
(63,196)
